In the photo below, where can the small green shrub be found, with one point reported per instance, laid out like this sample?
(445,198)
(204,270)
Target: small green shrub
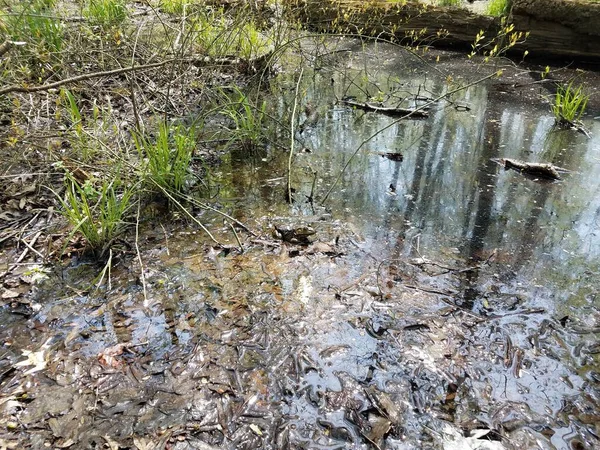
(35,26)
(498,8)
(173,6)
(168,157)
(569,104)
(98,213)
(106,13)
(219,35)
(449,2)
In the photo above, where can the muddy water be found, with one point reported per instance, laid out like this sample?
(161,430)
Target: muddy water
(443,302)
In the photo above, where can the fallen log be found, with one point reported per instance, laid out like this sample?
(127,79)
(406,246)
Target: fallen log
(558,29)
(539,170)
(387,110)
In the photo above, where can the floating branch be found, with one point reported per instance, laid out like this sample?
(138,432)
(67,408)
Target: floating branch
(387,110)
(392,156)
(541,170)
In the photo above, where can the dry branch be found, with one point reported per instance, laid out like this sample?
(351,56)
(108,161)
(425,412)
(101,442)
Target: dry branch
(387,110)
(86,76)
(541,170)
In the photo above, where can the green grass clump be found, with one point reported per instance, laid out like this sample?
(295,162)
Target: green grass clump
(97,212)
(106,13)
(248,121)
(569,104)
(498,8)
(39,38)
(173,6)
(219,35)
(168,157)
(449,2)
(35,25)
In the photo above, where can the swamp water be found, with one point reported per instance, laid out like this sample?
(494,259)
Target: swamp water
(444,302)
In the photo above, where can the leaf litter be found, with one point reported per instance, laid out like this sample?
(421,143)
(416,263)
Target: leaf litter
(270,349)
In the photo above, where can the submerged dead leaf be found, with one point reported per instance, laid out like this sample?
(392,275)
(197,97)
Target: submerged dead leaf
(4,444)
(35,359)
(8,294)
(143,443)
(108,357)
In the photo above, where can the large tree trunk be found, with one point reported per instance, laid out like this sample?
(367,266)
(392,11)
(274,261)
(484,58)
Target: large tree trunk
(558,29)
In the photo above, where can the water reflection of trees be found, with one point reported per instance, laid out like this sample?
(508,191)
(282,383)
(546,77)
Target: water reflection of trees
(447,189)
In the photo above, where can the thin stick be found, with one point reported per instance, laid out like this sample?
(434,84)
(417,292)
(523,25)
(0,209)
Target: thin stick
(87,76)
(289,183)
(30,245)
(237,238)
(166,239)
(106,269)
(195,202)
(420,108)
(139,256)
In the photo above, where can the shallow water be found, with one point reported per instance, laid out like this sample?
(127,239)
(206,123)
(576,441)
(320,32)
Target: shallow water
(449,203)
(452,296)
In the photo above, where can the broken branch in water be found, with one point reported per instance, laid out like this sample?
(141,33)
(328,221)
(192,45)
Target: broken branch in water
(387,110)
(541,170)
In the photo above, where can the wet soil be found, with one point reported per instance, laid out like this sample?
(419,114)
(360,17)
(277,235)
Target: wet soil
(438,302)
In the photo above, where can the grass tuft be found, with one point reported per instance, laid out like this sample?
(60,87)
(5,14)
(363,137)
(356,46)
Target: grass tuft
(498,8)
(248,121)
(98,213)
(106,13)
(168,157)
(569,104)
(220,35)
(449,3)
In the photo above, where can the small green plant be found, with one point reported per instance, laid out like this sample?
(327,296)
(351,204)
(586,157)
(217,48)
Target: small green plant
(97,212)
(219,35)
(569,104)
(40,39)
(35,25)
(168,157)
(449,2)
(248,120)
(106,13)
(173,6)
(498,8)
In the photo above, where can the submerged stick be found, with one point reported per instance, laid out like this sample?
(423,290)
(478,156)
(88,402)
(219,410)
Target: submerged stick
(139,256)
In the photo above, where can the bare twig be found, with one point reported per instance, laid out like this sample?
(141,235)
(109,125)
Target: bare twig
(28,246)
(86,76)
(237,238)
(139,256)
